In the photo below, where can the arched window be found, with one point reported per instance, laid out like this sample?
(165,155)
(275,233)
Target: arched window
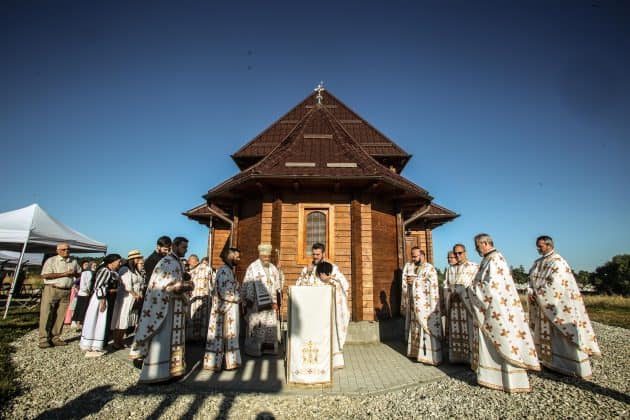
(315,229)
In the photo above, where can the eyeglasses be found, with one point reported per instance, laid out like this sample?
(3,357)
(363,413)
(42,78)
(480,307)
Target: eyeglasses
(459,253)
(63,249)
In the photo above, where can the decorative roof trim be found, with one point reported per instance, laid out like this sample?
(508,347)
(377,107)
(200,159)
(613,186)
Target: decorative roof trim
(299,164)
(341,165)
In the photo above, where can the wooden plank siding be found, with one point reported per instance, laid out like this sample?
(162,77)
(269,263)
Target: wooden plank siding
(423,239)
(366,237)
(357,258)
(220,241)
(385,258)
(288,253)
(249,232)
(343,251)
(367,280)
(276,226)
(266,221)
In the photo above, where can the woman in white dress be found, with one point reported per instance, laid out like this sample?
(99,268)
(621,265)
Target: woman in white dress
(95,325)
(128,292)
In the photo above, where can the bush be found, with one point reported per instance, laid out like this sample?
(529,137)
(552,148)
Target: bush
(614,276)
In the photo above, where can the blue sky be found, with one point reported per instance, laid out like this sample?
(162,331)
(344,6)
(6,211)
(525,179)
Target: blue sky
(116,117)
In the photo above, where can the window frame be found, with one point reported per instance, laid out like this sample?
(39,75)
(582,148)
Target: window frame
(304,210)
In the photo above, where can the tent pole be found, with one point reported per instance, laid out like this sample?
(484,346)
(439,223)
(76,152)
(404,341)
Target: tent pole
(15,276)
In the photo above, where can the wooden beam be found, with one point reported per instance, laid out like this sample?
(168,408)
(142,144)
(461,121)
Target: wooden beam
(276,224)
(372,188)
(234,236)
(400,239)
(357,260)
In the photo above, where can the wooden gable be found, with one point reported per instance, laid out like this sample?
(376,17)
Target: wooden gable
(371,140)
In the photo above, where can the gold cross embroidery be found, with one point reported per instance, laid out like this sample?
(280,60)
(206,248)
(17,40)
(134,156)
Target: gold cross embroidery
(309,353)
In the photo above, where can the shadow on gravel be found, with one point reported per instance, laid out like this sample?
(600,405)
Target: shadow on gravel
(85,404)
(256,375)
(584,385)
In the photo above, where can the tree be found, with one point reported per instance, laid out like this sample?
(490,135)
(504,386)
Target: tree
(441,276)
(583,278)
(614,276)
(519,275)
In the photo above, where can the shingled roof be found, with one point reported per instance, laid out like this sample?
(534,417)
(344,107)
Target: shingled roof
(319,146)
(435,216)
(371,140)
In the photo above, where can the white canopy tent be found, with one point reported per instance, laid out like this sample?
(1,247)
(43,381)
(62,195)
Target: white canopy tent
(31,229)
(11,258)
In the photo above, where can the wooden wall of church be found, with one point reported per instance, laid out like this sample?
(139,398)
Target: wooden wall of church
(386,293)
(249,228)
(220,238)
(288,208)
(343,252)
(423,239)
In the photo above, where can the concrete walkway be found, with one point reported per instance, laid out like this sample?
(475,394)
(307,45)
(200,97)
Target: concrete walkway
(370,369)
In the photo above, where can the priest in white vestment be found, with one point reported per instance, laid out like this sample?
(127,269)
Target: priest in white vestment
(160,340)
(202,276)
(503,348)
(409,273)
(563,334)
(458,309)
(424,342)
(223,327)
(259,293)
(310,277)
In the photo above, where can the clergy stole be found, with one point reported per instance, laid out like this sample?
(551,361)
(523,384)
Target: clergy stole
(310,335)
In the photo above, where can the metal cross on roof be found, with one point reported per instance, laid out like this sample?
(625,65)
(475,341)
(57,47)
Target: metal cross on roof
(319,89)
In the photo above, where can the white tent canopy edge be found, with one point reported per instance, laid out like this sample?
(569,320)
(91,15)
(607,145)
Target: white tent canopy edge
(32,229)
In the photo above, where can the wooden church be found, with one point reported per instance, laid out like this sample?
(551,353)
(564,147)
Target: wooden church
(323,174)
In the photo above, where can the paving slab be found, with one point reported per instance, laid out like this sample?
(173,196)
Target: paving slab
(370,369)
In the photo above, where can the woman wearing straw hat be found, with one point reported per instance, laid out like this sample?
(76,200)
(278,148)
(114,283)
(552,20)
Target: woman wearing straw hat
(128,293)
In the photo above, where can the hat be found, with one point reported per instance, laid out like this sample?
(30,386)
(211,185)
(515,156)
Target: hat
(134,253)
(264,249)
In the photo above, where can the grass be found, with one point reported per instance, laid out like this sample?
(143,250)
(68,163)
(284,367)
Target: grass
(610,310)
(18,322)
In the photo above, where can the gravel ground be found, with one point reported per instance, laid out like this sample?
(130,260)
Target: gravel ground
(74,387)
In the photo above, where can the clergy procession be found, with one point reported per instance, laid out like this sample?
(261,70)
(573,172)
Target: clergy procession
(475,318)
